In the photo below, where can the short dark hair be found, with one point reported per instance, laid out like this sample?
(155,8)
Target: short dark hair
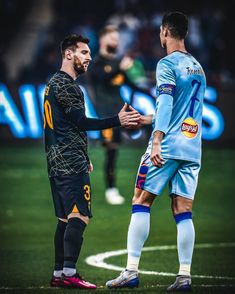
(177,23)
(108,29)
(70,42)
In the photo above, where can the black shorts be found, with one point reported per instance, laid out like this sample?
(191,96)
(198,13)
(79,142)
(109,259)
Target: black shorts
(111,135)
(71,193)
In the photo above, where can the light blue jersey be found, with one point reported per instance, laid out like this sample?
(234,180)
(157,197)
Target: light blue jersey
(181,79)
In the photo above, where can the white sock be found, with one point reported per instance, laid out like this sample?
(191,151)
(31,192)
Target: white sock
(137,235)
(185,242)
(57,274)
(132,263)
(69,271)
(184,270)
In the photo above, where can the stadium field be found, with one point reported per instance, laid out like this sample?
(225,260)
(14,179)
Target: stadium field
(28,222)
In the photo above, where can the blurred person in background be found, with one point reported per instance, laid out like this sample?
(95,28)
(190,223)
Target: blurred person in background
(108,72)
(65,125)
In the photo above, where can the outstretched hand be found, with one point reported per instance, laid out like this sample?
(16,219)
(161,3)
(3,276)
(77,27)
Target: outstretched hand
(129,117)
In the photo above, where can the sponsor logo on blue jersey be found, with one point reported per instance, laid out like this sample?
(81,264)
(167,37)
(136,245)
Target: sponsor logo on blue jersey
(167,89)
(189,127)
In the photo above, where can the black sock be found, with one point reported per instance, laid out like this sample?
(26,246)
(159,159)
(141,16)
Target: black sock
(73,241)
(109,167)
(59,245)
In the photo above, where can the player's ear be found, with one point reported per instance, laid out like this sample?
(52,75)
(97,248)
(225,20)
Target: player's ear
(68,54)
(166,32)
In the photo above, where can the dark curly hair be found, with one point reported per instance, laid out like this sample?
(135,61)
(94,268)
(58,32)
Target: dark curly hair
(70,42)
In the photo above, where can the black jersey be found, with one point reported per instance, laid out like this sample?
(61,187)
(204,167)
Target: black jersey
(65,124)
(65,144)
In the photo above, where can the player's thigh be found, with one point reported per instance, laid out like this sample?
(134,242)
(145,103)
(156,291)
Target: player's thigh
(75,194)
(57,201)
(154,179)
(151,180)
(183,186)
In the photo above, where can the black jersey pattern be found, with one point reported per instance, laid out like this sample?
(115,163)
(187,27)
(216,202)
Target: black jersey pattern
(65,144)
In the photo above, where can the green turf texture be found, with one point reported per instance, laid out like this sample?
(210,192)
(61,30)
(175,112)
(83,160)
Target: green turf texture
(28,222)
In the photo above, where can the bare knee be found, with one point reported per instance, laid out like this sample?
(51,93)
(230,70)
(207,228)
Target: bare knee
(64,220)
(181,204)
(142,197)
(135,197)
(85,219)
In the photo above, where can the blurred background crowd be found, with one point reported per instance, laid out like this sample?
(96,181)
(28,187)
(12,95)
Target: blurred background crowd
(32,30)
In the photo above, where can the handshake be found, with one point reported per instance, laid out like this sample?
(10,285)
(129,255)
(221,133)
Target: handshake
(130,118)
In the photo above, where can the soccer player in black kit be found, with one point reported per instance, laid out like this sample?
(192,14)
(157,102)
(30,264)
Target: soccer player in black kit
(65,125)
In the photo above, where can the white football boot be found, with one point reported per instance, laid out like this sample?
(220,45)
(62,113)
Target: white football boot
(181,284)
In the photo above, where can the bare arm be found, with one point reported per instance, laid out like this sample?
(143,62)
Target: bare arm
(146,119)
(155,155)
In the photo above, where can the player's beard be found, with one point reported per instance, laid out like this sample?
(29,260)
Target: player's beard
(78,66)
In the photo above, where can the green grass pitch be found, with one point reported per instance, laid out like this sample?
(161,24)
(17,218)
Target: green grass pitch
(27,224)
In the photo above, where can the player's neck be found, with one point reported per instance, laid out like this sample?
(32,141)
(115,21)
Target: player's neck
(175,45)
(69,70)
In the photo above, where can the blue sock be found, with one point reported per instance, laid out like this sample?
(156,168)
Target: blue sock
(185,241)
(137,234)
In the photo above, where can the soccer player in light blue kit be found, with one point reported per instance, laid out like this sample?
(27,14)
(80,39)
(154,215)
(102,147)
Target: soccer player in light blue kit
(173,154)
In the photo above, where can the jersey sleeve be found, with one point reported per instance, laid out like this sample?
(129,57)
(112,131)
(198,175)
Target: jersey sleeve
(166,84)
(71,99)
(165,78)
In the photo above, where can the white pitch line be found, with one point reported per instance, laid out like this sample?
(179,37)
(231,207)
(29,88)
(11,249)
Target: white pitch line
(98,259)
